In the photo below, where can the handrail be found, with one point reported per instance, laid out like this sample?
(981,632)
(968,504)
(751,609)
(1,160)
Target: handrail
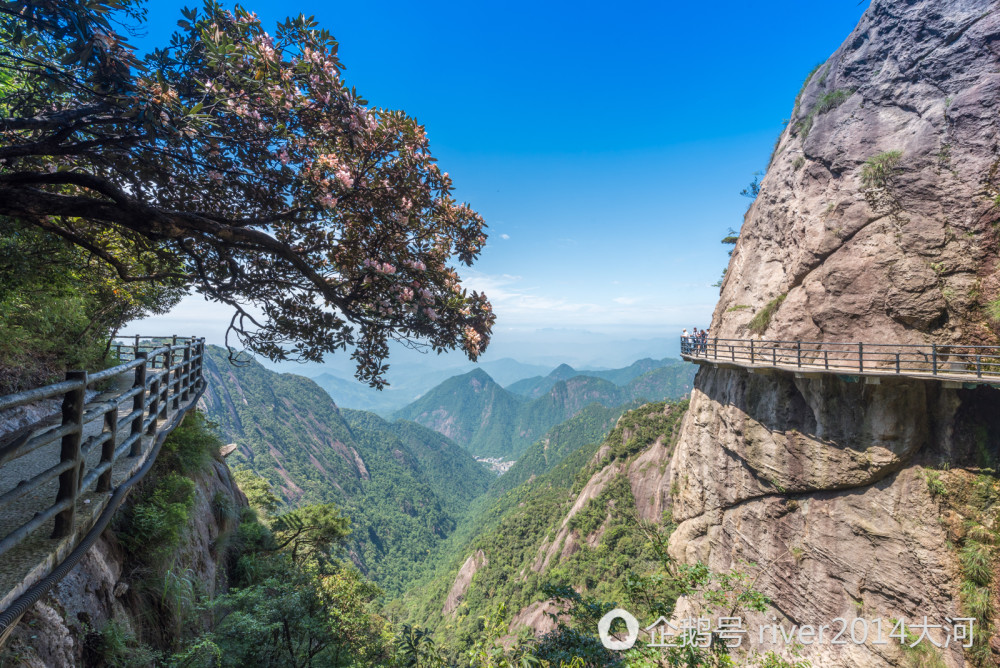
(157,378)
(945,361)
(10,617)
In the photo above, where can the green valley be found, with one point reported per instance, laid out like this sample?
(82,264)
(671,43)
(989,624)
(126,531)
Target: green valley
(415,496)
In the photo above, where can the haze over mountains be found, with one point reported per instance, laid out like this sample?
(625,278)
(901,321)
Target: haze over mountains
(510,358)
(411,382)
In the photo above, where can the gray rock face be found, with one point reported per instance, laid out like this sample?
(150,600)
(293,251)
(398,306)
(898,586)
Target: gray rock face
(819,481)
(921,78)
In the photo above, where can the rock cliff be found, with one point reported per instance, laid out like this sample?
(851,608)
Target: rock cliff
(876,221)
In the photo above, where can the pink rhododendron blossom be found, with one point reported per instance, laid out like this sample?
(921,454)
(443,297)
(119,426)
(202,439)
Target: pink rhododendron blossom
(345,177)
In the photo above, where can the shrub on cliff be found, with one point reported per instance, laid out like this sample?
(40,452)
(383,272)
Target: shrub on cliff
(762,319)
(155,524)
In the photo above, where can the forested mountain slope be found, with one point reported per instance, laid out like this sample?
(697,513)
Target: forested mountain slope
(286,429)
(472,410)
(576,525)
(587,427)
(404,486)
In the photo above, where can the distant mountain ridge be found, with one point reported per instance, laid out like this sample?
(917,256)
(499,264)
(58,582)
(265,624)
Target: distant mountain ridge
(408,382)
(490,421)
(538,385)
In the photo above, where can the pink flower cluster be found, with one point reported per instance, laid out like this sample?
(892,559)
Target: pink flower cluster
(472,340)
(380,267)
(344,176)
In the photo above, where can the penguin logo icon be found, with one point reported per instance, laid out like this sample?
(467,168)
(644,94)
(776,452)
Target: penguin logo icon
(604,629)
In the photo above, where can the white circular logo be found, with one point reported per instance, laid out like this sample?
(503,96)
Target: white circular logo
(604,629)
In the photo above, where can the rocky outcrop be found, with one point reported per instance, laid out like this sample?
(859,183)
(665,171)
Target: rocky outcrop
(565,542)
(537,616)
(462,581)
(818,481)
(59,630)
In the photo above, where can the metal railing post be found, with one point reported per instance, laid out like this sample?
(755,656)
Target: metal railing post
(138,404)
(826,359)
(69,480)
(186,374)
(108,449)
(798,352)
(774,356)
(934,358)
(861,357)
(176,404)
(751,351)
(979,366)
(897,363)
(154,405)
(136,346)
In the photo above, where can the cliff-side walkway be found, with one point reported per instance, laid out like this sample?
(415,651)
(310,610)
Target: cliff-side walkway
(956,365)
(83,443)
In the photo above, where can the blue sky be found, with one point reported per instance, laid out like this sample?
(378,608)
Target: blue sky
(605,145)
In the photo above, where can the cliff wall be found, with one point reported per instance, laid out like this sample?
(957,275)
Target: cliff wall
(876,221)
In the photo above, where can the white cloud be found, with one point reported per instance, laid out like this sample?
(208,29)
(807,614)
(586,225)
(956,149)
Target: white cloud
(505,236)
(519,304)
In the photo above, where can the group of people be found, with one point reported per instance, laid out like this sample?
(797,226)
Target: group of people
(694,343)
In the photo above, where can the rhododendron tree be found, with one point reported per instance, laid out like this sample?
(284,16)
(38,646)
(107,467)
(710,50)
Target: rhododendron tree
(240,162)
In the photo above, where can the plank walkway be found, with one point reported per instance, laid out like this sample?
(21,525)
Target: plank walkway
(953,365)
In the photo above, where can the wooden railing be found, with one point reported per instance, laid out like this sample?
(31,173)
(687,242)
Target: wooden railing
(155,374)
(935,360)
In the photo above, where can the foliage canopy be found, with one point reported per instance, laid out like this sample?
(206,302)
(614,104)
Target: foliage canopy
(241,164)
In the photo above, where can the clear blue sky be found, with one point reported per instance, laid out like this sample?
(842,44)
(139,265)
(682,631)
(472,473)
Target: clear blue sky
(604,144)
